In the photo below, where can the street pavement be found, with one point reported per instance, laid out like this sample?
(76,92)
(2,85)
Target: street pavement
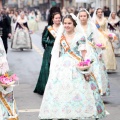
(26,64)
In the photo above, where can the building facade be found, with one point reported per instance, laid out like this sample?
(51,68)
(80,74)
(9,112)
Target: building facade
(112,4)
(44,4)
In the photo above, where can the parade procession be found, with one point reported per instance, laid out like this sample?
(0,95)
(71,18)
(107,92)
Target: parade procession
(59,59)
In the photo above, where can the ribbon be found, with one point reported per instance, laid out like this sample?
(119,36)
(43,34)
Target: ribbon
(52,31)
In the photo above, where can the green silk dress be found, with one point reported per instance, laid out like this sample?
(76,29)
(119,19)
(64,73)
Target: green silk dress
(47,42)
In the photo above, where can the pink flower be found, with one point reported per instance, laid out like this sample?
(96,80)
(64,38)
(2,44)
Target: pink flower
(14,77)
(8,79)
(81,63)
(99,45)
(84,63)
(110,35)
(88,61)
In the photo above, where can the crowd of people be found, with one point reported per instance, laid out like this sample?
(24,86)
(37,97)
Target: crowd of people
(70,91)
(80,49)
(18,26)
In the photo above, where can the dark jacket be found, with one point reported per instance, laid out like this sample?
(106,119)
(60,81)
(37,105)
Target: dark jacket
(118,13)
(5,24)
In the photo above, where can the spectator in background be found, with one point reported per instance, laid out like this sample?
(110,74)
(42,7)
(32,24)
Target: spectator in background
(107,12)
(80,8)
(118,12)
(71,10)
(5,25)
(91,11)
(64,12)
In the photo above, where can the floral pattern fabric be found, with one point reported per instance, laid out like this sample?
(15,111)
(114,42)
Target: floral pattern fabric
(98,65)
(68,95)
(3,61)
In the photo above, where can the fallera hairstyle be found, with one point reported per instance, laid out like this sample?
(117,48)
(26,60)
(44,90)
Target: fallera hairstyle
(98,9)
(70,17)
(52,12)
(83,11)
(52,16)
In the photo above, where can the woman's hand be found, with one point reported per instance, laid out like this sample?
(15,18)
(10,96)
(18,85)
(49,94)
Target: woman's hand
(9,35)
(87,77)
(83,53)
(100,57)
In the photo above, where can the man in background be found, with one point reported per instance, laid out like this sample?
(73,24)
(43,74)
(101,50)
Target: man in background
(118,12)
(5,26)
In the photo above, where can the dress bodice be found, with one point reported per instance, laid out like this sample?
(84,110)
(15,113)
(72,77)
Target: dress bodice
(18,25)
(103,24)
(47,38)
(113,22)
(74,45)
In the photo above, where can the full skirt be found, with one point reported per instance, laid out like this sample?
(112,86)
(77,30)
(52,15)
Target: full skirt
(69,96)
(21,39)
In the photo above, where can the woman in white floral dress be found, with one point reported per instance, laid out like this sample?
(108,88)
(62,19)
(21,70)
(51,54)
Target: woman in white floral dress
(6,92)
(89,29)
(68,94)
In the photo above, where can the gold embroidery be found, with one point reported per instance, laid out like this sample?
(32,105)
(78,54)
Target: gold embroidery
(8,108)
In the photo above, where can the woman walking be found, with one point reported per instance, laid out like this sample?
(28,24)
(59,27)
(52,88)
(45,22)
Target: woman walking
(8,110)
(108,53)
(70,93)
(22,39)
(48,39)
(89,29)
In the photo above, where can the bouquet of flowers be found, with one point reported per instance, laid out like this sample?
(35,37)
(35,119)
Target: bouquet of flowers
(84,65)
(8,79)
(100,46)
(112,36)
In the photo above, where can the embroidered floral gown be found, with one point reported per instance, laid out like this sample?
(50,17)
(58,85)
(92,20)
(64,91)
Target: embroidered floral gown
(8,92)
(99,69)
(22,38)
(67,94)
(47,42)
(108,54)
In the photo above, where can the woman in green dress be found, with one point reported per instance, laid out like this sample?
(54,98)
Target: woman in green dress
(48,38)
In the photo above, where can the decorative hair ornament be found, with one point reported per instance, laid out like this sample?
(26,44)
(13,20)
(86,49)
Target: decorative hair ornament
(73,16)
